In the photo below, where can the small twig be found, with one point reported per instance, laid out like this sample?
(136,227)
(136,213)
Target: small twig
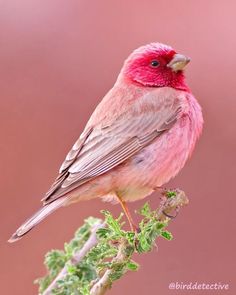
(89,244)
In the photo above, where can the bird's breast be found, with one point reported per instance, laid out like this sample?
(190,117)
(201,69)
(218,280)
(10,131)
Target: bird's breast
(157,163)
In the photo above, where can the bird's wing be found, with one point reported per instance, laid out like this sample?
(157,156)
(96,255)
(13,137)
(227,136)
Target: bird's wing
(104,147)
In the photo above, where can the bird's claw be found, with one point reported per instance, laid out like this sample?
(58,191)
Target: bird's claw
(171,216)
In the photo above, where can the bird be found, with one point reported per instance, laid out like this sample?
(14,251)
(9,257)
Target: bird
(139,136)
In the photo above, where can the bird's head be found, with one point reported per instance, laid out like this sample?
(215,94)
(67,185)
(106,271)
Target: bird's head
(156,65)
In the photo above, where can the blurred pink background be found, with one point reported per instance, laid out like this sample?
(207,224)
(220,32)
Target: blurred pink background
(57,60)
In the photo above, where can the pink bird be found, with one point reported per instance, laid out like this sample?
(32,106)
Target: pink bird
(138,138)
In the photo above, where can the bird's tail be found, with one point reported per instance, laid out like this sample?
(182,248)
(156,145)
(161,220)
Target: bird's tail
(36,218)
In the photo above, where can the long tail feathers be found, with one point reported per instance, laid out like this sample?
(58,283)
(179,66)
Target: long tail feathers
(36,218)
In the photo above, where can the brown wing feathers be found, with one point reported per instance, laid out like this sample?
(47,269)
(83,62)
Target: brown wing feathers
(64,173)
(82,164)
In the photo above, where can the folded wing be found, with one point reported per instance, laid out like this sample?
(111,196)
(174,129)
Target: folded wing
(103,147)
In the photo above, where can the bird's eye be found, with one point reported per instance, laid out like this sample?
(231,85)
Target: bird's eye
(154,63)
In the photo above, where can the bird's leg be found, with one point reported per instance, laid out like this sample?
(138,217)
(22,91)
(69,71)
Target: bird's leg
(160,189)
(127,213)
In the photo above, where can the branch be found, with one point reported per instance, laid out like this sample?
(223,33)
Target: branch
(168,205)
(89,244)
(104,283)
(117,246)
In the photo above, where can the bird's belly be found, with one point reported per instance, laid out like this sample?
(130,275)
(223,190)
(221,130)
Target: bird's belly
(157,163)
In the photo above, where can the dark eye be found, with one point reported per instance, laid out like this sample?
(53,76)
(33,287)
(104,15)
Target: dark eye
(154,63)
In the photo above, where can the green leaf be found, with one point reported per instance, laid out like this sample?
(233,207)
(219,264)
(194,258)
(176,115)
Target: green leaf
(133,266)
(145,210)
(130,236)
(55,261)
(161,224)
(167,235)
(113,223)
(103,232)
(85,290)
(143,244)
(118,270)
(170,194)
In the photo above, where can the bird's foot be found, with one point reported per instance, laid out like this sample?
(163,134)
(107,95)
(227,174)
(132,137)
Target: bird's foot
(171,201)
(170,215)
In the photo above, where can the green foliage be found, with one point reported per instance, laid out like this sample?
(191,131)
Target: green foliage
(103,256)
(170,193)
(167,235)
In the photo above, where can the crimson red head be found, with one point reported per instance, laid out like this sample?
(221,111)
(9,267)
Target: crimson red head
(156,65)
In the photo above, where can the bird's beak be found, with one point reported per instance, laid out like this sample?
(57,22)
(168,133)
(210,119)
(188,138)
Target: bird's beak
(178,62)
